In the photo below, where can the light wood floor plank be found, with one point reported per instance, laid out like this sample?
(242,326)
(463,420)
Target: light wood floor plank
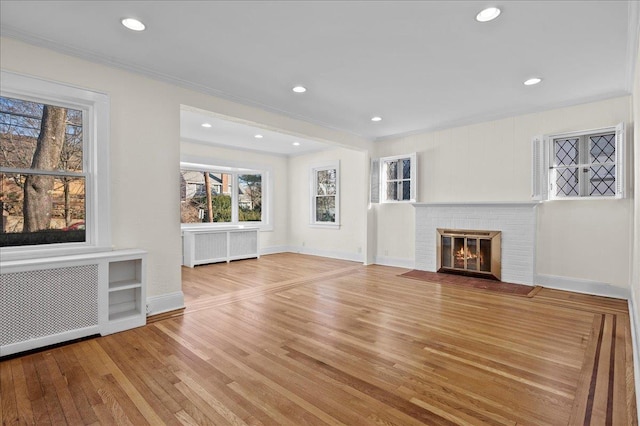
(291,339)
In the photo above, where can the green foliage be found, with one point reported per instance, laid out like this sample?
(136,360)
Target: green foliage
(248,215)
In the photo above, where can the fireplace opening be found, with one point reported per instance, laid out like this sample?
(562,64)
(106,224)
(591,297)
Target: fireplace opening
(469,252)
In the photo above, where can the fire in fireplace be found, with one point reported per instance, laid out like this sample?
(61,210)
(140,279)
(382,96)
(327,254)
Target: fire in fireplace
(469,252)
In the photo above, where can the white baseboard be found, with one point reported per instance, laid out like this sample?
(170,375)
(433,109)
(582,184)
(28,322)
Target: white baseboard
(633,319)
(165,303)
(274,250)
(342,255)
(579,285)
(399,262)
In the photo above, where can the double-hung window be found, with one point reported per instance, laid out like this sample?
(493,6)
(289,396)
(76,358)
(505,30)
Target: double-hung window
(53,168)
(575,165)
(222,195)
(325,195)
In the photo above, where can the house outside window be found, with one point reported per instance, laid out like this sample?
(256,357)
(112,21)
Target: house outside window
(234,197)
(579,165)
(51,193)
(325,195)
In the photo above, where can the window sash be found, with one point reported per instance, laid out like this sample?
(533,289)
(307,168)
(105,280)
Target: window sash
(399,180)
(315,195)
(607,165)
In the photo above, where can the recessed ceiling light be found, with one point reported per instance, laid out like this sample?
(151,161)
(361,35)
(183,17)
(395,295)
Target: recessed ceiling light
(258,136)
(299,89)
(296,144)
(207,125)
(532,81)
(488,14)
(133,24)
(376,118)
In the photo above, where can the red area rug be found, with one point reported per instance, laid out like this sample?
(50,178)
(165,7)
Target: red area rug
(474,283)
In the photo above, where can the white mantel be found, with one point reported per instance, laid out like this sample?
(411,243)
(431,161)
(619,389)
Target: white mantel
(516,221)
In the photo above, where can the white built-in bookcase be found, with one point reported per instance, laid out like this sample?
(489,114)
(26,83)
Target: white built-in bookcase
(51,300)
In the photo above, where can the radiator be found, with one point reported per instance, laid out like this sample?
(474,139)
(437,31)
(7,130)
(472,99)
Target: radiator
(219,245)
(47,306)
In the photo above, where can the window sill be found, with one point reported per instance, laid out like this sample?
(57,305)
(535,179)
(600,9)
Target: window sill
(325,225)
(9,254)
(202,227)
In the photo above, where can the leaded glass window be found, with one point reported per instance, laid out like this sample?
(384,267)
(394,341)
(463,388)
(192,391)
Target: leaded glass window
(398,174)
(584,165)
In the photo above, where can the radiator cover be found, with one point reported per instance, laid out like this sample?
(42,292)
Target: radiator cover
(45,302)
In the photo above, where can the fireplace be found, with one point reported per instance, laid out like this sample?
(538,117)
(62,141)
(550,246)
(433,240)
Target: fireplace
(469,252)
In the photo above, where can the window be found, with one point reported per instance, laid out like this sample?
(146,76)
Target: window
(580,165)
(325,195)
(50,189)
(212,195)
(398,178)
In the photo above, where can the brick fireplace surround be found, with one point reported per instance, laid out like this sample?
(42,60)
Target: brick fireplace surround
(516,221)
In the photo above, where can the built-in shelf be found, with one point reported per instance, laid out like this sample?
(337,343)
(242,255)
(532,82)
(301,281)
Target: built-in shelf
(56,299)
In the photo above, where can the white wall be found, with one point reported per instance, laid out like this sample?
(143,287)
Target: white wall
(145,149)
(491,161)
(277,165)
(349,241)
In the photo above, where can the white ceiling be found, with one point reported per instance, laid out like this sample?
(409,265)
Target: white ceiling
(420,65)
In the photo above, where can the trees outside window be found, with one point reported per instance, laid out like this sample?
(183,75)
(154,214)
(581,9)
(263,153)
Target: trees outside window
(220,197)
(325,195)
(42,181)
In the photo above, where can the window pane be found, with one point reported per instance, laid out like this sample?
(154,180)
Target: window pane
(23,123)
(392,170)
(39,209)
(566,151)
(326,182)
(603,148)
(325,209)
(602,180)
(406,190)
(392,191)
(250,198)
(194,203)
(406,169)
(567,182)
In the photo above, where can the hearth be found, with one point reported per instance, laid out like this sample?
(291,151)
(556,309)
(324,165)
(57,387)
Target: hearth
(469,252)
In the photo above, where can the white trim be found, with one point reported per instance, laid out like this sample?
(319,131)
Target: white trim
(274,250)
(165,303)
(635,342)
(333,254)
(579,285)
(398,262)
(95,107)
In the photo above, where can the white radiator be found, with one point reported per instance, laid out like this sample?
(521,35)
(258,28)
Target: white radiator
(219,245)
(47,306)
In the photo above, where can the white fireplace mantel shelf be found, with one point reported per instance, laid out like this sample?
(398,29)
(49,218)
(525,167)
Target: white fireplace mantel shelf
(479,203)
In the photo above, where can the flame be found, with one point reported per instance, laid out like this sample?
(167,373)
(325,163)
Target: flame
(465,254)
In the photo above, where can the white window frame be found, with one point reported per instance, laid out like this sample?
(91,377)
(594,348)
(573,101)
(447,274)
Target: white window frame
(95,108)
(544,171)
(313,180)
(412,179)
(265,224)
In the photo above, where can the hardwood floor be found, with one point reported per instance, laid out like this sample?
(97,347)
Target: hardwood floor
(293,340)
